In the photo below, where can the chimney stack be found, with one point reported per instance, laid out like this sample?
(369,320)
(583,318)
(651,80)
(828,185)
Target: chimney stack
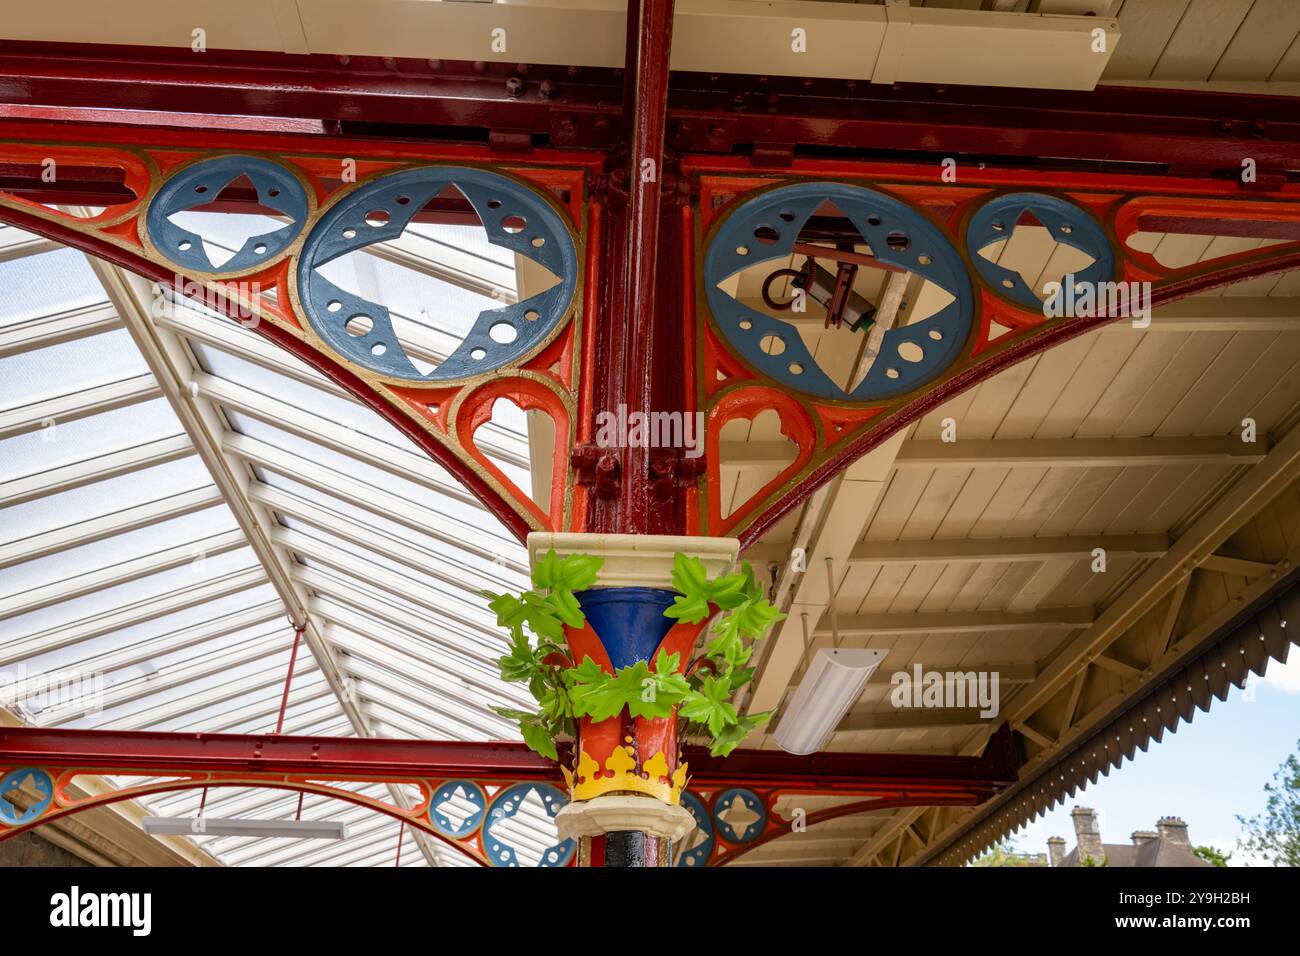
(1174,829)
(1087,834)
(1056,850)
(1144,836)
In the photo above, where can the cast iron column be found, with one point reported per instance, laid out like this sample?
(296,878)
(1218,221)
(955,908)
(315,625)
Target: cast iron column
(639,337)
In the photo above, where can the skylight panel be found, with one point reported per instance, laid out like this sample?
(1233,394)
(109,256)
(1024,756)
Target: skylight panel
(431,303)
(43,373)
(504,569)
(201,568)
(264,670)
(49,282)
(106,497)
(143,629)
(468,239)
(62,443)
(318,401)
(139,542)
(454,520)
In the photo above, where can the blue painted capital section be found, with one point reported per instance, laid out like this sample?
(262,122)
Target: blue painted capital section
(629,621)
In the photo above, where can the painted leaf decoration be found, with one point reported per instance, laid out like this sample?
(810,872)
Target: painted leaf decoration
(588,672)
(519,664)
(689,575)
(731,737)
(755,617)
(538,738)
(511,714)
(692,609)
(573,572)
(667,663)
(566,608)
(709,705)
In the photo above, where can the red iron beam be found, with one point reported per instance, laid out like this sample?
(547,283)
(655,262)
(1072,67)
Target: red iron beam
(718,114)
(409,760)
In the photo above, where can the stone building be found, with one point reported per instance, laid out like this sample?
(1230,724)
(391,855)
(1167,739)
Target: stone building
(1167,845)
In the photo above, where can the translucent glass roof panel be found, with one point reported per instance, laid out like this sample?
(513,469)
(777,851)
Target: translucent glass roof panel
(42,373)
(60,280)
(111,564)
(109,496)
(121,547)
(65,442)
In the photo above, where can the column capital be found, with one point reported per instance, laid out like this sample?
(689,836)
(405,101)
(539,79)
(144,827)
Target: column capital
(636,560)
(613,813)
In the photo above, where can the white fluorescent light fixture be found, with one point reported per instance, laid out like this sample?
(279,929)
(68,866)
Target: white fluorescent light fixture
(833,683)
(206,826)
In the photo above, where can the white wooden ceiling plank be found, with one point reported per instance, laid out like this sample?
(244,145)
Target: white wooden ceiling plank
(1130,385)
(1177,251)
(1222,246)
(955,408)
(1260,42)
(1017,484)
(896,505)
(1189,411)
(1026,251)
(984,578)
(1194,49)
(976,494)
(1279,402)
(999,595)
(996,397)
(1066,517)
(884,589)
(1039,504)
(947,586)
(857,584)
(1196,351)
(1145,28)
(1129,484)
(1251,383)
(1044,387)
(1083,585)
(1288,285)
(1087,385)
(941,491)
(916,587)
(1186,492)
(1064,260)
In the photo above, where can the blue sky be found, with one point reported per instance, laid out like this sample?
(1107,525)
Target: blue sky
(1207,772)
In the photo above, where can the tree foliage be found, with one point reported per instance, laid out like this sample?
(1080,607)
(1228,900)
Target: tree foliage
(1274,834)
(1212,856)
(1007,854)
